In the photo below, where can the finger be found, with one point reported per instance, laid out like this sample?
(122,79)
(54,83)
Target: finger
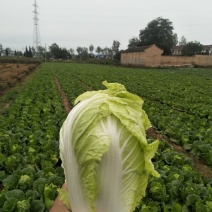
(65,186)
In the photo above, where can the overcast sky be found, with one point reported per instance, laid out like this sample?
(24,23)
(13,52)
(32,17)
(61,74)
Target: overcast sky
(81,22)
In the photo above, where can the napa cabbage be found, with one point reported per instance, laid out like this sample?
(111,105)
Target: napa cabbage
(104,151)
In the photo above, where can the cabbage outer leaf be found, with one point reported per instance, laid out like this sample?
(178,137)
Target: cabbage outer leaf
(104,151)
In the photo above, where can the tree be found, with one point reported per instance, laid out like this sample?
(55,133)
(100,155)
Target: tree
(115,49)
(79,50)
(33,51)
(134,42)
(41,51)
(54,50)
(1,49)
(71,52)
(18,53)
(158,32)
(115,46)
(91,48)
(192,48)
(84,54)
(182,41)
(98,50)
(58,52)
(110,53)
(7,51)
(26,53)
(30,52)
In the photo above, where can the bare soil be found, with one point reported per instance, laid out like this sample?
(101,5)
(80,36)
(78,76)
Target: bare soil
(64,99)
(12,74)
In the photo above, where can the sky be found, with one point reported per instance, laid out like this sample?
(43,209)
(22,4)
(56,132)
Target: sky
(81,22)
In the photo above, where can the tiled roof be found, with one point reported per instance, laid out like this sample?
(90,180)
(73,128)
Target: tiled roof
(207,47)
(177,47)
(137,49)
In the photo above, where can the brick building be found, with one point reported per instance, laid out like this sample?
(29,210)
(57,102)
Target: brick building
(151,56)
(177,50)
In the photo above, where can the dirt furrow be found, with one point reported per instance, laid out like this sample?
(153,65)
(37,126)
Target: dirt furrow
(64,99)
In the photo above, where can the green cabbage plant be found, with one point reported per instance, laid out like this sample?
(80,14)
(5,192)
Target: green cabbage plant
(104,151)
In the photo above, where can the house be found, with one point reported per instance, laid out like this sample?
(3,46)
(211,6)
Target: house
(140,55)
(177,50)
(151,56)
(207,49)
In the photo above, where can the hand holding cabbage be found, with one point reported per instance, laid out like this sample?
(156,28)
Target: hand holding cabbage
(104,151)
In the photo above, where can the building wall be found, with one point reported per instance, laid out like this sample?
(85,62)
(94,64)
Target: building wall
(146,58)
(151,57)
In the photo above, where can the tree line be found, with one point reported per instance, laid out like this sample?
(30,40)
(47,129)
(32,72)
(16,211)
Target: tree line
(57,52)
(159,31)
(54,51)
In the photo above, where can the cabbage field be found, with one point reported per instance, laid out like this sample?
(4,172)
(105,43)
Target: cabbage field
(177,101)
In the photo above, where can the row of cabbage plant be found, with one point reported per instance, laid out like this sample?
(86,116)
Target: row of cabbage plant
(30,171)
(180,187)
(178,101)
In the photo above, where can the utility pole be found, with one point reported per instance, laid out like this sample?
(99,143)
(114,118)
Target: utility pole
(36,33)
(45,52)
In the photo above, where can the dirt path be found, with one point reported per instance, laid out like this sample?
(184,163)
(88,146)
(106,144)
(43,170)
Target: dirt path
(199,166)
(64,99)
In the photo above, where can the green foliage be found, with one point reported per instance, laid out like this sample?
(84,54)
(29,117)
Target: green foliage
(25,182)
(115,46)
(178,103)
(28,53)
(192,48)
(23,206)
(10,182)
(37,206)
(134,42)
(157,191)
(82,52)
(49,194)
(29,144)
(159,32)
(58,52)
